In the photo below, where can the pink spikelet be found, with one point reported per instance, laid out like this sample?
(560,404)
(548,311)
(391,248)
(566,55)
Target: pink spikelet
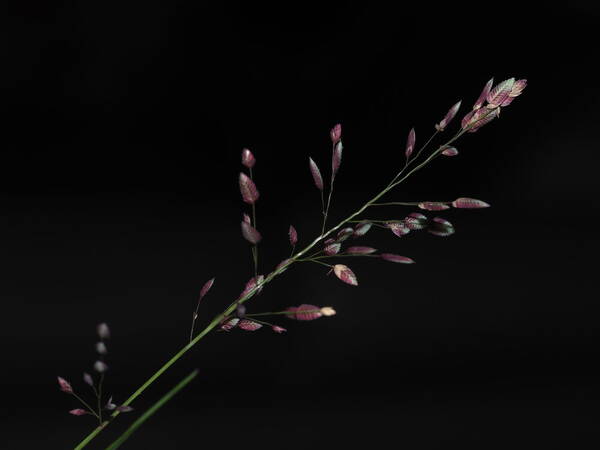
(415,221)
(229,324)
(249,325)
(250,233)
(345,274)
(448,117)
(78,412)
(469,203)
(433,206)
(499,93)
(361,229)
(396,258)
(246,218)
(483,96)
(336,158)
(466,121)
(450,151)
(307,312)
(332,249)
(277,329)
(344,234)
(518,87)
(336,133)
(516,90)
(248,159)
(64,385)
(293,234)
(398,228)
(480,118)
(316,174)
(248,189)
(410,143)
(360,250)
(206,288)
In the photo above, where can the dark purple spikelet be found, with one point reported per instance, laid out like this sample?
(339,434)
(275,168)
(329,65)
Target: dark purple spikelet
(344,234)
(450,151)
(410,143)
(433,206)
(78,412)
(64,385)
(398,228)
(250,233)
(336,158)
(396,258)
(345,274)
(440,227)
(362,228)
(316,174)
(332,249)
(246,218)
(248,189)
(469,203)
(293,234)
(103,331)
(483,96)
(360,250)
(248,159)
(448,117)
(249,325)
(336,133)
(329,241)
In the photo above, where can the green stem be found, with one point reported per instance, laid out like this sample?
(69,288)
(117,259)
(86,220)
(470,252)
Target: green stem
(297,257)
(138,423)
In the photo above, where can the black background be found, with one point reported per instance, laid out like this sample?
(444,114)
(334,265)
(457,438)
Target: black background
(118,185)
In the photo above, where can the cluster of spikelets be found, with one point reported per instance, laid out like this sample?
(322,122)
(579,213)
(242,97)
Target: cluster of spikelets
(486,108)
(100,367)
(330,244)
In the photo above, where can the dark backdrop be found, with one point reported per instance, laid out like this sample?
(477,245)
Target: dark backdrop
(120,155)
